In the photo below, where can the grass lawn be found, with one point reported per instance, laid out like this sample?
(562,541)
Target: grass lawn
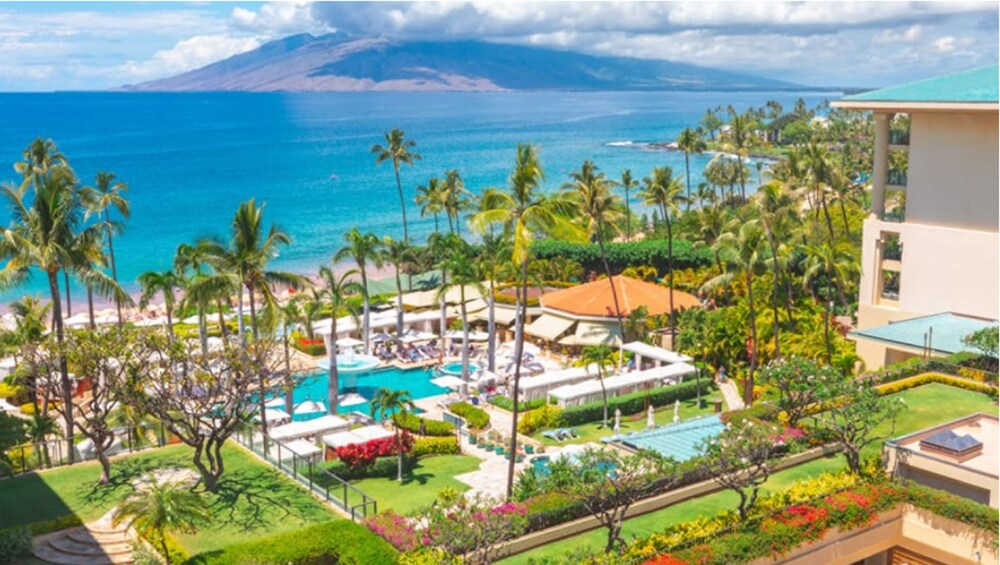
(927,405)
(253,499)
(594,431)
(420,487)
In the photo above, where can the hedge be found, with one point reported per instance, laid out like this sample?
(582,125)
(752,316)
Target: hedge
(624,255)
(424,446)
(475,417)
(381,468)
(927,378)
(507,404)
(411,422)
(339,542)
(15,543)
(635,402)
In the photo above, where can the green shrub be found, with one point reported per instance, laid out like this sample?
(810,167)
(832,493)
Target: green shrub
(338,542)
(424,446)
(547,416)
(15,543)
(507,404)
(142,554)
(411,422)
(926,378)
(47,526)
(635,402)
(624,255)
(475,417)
(381,467)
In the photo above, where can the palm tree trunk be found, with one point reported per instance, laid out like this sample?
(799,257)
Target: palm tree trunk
(628,218)
(203,331)
(222,324)
(748,388)
(491,328)
(333,386)
(443,306)
(826,214)
(614,293)
(69,302)
(399,454)
(826,328)
(399,305)
(843,214)
(253,310)
(519,353)
(241,325)
(402,202)
(465,344)
(289,381)
(114,266)
(67,388)
(687,172)
(775,298)
(604,393)
(90,307)
(365,311)
(670,266)
(170,322)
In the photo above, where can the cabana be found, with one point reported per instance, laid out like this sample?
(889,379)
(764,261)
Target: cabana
(591,391)
(309,428)
(659,355)
(356,436)
(298,447)
(539,386)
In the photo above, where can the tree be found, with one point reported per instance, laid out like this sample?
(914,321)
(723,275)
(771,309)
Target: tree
(13,432)
(638,324)
(628,183)
(986,341)
(385,405)
(399,254)
(689,141)
(711,222)
(664,191)
(456,199)
(192,258)
(164,283)
(288,315)
(525,212)
(336,288)
(800,383)
(363,248)
(493,253)
(37,430)
(821,172)
(740,459)
(161,507)
(398,150)
(744,252)
(608,482)
(203,401)
(832,264)
(599,355)
(858,415)
(463,272)
(431,199)
(108,192)
(711,122)
(471,526)
(776,207)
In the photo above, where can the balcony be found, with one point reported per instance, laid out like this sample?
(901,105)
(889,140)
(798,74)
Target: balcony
(899,137)
(896,177)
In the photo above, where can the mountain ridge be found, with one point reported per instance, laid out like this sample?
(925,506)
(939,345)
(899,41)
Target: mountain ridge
(340,63)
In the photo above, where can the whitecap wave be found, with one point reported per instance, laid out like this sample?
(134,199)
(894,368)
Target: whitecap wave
(620,143)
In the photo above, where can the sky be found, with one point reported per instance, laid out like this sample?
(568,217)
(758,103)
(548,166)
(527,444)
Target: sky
(96,45)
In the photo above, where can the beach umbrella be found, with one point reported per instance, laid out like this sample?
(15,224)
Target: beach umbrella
(349,342)
(448,381)
(650,418)
(618,421)
(150,322)
(351,399)
(381,337)
(677,410)
(80,319)
(190,320)
(276,402)
(309,407)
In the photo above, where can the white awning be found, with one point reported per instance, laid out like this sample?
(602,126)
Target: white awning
(657,353)
(589,391)
(321,425)
(549,327)
(300,447)
(502,316)
(448,381)
(590,333)
(356,436)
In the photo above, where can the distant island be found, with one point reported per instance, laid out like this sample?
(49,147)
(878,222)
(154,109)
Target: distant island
(342,63)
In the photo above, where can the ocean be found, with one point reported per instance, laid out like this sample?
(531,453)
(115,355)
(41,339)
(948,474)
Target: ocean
(191,158)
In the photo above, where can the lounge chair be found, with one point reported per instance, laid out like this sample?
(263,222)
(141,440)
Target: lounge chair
(568,433)
(554,435)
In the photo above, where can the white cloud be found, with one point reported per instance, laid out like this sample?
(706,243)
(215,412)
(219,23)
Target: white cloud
(279,19)
(188,54)
(907,35)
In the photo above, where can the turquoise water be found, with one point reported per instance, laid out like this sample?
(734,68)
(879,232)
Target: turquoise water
(191,158)
(456,368)
(417,381)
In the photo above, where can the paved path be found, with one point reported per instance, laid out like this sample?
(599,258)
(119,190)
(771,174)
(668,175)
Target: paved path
(731,394)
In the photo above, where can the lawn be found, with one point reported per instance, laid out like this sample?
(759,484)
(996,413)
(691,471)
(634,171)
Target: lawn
(253,499)
(594,431)
(419,487)
(927,405)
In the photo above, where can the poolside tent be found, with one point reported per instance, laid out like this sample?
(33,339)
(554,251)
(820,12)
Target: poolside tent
(274,416)
(657,354)
(298,447)
(310,428)
(448,381)
(593,333)
(309,407)
(503,316)
(591,391)
(356,436)
(539,386)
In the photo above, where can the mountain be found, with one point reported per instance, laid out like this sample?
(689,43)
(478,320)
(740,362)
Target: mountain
(337,62)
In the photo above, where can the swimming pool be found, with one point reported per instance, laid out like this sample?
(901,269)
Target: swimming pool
(455,369)
(312,386)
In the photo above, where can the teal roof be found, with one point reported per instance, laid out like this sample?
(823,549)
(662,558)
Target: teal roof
(681,441)
(945,330)
(975,85)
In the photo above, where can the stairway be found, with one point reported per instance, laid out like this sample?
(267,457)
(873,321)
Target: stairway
(96,543)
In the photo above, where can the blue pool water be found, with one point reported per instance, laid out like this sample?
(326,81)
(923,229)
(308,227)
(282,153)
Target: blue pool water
(456,368)
(417,381)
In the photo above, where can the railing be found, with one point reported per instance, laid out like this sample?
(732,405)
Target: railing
(308,473)
(49,454)
(899,137)
(896,177)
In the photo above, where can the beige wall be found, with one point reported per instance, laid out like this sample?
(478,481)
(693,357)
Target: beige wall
(953,178)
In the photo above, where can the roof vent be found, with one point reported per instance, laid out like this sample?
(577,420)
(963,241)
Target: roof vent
(955,446)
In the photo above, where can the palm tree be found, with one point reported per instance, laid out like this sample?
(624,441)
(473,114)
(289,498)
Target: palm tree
(336,288)
(161,507)
(738,143)
(821,173)
(628,183)
(493,253)
(711,222)
(38,429)
(524,212)
(638,324)
(599,207)
(439,246)
(288,315)
(191,258)
(664,191)
(397,149)
(164,283)
(689,141)
(399,254)
(598,355)
(745,253)
(108,193)
(363,248)
(384,406)
(464,273)
(776,206)
(308,306)
(431,198)
(836,263)
(455,199)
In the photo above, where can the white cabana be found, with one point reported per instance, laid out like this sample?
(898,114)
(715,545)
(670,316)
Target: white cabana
(539,386)
(348,342)
(300,447)
(549,327)
(429,298)
(413,336)
(309,407)
(274,416)
(458,335)
(503,316)
(190,320)
(150,322)
(448,381)
(591,391)
(351,399)
(276,402)
(356,436)
(658,354)
(592,333)
(77,320)
(310,428)
(529,348)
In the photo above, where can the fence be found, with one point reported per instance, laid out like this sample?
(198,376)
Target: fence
(26,458)
(310,474)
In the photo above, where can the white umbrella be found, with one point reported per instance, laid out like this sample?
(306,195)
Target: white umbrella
(650,418)
(214,343)
(277,402)
(351,399)
(677,410)
(381,337)
(457,335)
(618,421)
(309,407)
(349,342)
(80,319)
(448,381)
(190,320)
(150,322)
(105,319)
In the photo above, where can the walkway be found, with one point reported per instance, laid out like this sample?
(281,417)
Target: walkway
(731,394)
(96,543)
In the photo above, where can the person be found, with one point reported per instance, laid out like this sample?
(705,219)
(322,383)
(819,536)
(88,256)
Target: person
(722,374)
(423,427)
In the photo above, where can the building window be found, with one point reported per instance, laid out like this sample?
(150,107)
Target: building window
(892,247)
(890,285)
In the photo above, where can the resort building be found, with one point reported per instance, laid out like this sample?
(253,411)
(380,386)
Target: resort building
(930,247)
(960,457)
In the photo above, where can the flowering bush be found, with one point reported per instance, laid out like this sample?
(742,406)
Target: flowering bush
(394,529)
(471,525)
(362,454)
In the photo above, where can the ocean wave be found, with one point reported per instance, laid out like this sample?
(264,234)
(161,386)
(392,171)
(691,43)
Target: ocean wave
(628,143)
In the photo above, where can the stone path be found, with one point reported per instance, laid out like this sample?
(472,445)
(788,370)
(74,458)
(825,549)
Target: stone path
(731,394)
(96,543)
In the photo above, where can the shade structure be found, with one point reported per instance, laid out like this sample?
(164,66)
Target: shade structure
(458,335)
(351,399)
(190,320)
(501,315)
(539,386)
(591,333)
(549,326)
(591,391)
(356,436)
(310,428)
(299,447)
(80,319)
(348,342)
(529,348)
(414,336)
(656,353)
(274,416)
(594,299)
(276,402)
(309,407)
(381,337)
(448,381)
(150,322)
